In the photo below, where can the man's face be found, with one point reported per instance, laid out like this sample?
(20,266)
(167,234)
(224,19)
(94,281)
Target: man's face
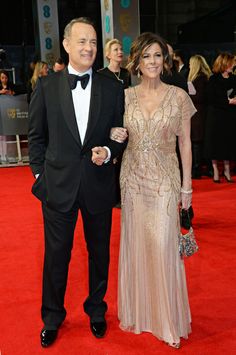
(81,46)
(58,67)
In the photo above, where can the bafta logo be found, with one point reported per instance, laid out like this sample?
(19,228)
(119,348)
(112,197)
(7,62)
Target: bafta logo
(50,58)
(125,22)
(11,113)
(106,5)
(47,27)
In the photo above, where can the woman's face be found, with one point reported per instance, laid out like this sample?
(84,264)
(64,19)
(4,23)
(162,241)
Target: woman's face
(44,70)
(229,68)
(151,61)
(4,78)
(116,53)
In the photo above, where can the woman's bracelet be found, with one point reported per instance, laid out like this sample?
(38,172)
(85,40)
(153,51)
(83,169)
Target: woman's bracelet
(186,191)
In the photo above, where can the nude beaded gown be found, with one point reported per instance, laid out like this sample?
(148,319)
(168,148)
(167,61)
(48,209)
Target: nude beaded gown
(152,293)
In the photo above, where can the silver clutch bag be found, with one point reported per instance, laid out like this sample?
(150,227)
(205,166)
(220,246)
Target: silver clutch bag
(187,244)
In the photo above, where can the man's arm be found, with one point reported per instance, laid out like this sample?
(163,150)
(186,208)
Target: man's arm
(38,130)
(100,154)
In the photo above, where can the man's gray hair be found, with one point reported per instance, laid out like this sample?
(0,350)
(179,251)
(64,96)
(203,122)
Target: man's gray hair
(86,20)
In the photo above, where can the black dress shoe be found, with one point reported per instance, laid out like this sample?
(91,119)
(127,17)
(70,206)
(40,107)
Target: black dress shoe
(48,337)
(217,181)
(98,328)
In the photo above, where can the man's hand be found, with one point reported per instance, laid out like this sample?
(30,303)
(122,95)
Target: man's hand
(99,155)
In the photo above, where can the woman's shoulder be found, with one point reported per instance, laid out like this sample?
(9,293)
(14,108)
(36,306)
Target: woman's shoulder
(130,94)
(181,97)
(202,78)
(103,70)
(179,92)
(131,90)
(215,78)
(124,70)
(106,77)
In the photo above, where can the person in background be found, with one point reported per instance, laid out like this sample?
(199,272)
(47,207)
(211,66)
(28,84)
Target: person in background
(35,59)
(152,294)
(179,60)
(40,69)
(58,65)
(198,77)
(221,116)
(114,54)
(173,77)
(71,155)
(6,88)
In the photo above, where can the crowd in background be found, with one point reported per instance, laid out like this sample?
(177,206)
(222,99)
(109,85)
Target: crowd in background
(213,92)
(207,83)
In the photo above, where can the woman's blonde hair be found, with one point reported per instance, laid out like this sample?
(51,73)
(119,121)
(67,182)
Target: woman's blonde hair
(222,62)
(142,42)
(37,72)
(108,45)
(198,65)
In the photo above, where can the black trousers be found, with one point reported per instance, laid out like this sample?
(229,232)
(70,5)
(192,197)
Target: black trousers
(59,233)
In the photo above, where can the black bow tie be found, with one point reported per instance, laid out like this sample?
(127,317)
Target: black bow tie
(84,79)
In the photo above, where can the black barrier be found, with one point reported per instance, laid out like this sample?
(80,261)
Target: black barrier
(13,115)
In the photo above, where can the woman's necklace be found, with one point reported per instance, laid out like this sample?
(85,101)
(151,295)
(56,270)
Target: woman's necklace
(118,76)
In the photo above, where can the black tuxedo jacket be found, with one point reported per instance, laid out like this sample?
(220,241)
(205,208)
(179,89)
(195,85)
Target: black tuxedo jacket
(55,148)
(184,71)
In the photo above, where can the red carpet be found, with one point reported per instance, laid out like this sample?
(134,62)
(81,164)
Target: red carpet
(211,279)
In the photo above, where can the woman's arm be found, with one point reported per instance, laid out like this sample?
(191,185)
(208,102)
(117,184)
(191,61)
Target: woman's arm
(186,160)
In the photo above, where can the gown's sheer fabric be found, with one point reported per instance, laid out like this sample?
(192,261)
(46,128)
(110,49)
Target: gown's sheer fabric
(152,292)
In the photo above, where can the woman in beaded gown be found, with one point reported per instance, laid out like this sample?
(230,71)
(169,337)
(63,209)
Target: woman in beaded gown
(152,292)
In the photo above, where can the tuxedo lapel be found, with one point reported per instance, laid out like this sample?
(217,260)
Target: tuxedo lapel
(95,106)
(67,106)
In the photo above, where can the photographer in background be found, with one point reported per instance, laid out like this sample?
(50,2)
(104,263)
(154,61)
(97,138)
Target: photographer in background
(6,88)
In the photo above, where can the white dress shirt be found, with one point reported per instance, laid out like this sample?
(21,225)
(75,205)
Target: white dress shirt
(80,95)
(81,100)
(180,67)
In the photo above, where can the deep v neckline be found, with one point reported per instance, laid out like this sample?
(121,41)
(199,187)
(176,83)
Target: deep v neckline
(156,110)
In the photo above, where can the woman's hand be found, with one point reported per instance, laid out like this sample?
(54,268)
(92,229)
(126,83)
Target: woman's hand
(3,92)
(186,198)
(6,92)
(118,134)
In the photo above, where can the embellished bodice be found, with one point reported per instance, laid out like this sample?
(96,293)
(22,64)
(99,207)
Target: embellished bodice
(150,157)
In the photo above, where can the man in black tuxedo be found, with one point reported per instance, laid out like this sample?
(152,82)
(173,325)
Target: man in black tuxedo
(174,77)
(71,156)
(182,68)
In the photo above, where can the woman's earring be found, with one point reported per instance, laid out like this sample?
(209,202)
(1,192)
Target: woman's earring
(138,71)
